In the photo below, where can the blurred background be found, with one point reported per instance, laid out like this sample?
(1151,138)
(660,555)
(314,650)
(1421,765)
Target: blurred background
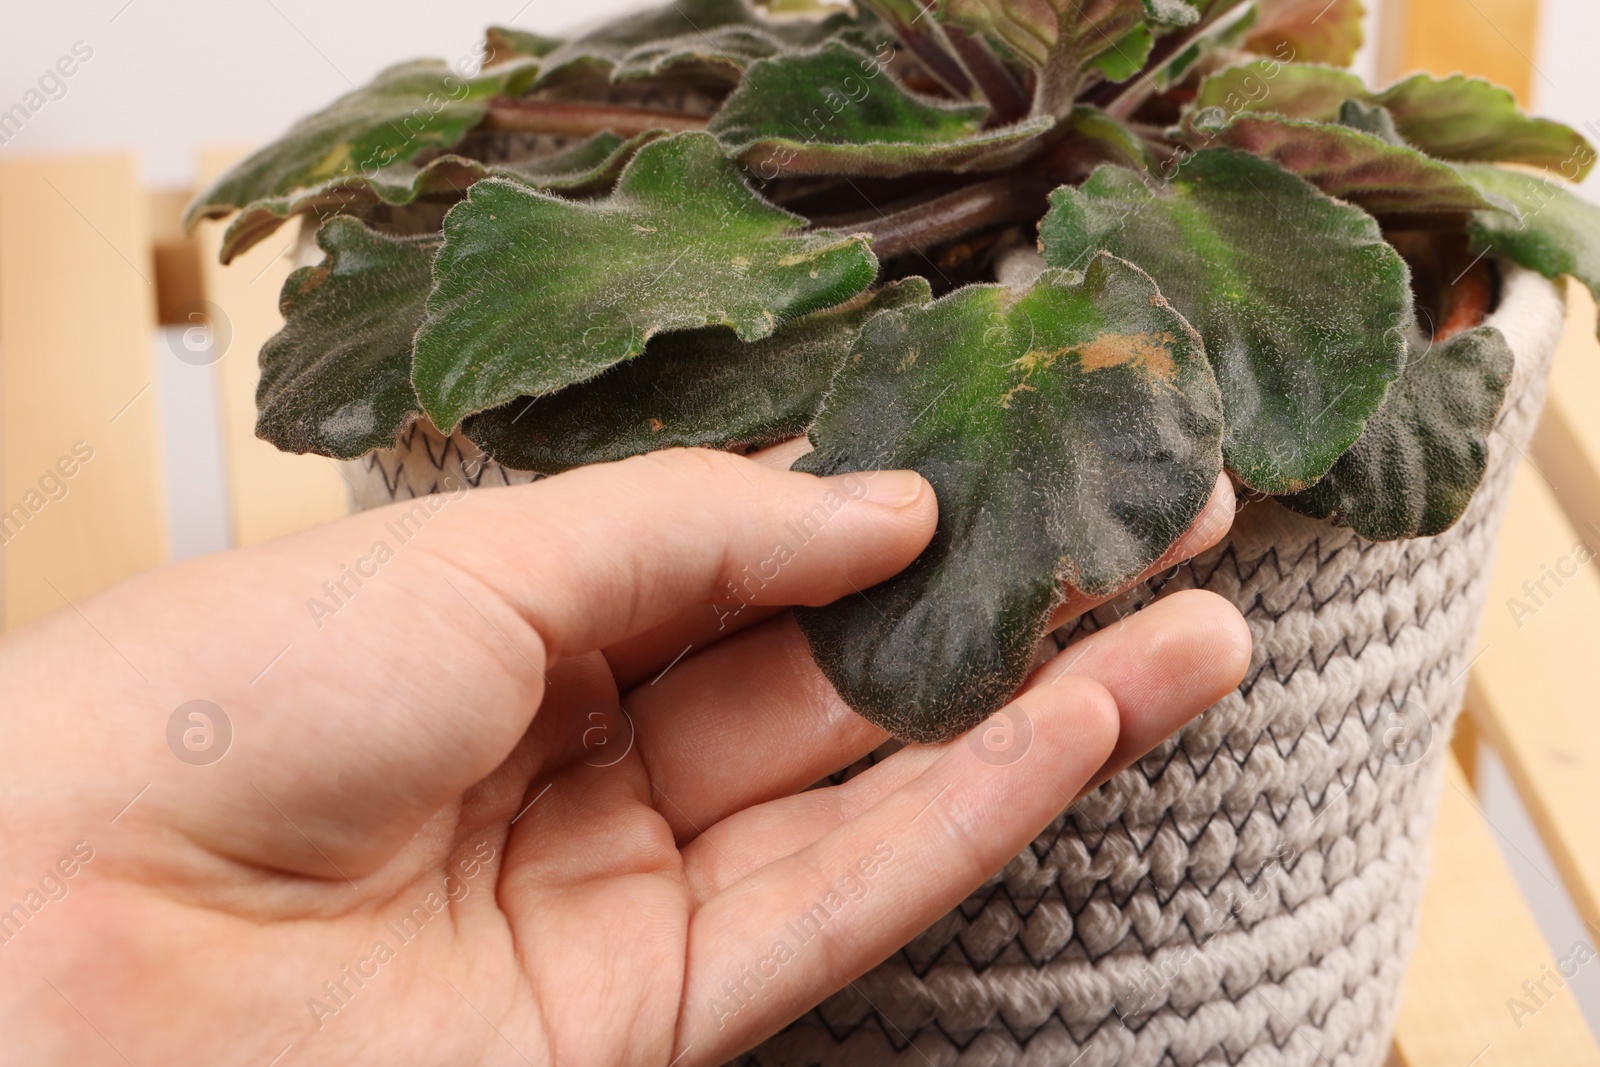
(98,287)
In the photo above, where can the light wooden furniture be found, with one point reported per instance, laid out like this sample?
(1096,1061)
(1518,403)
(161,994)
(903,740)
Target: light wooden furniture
(1493,39)
(80,475)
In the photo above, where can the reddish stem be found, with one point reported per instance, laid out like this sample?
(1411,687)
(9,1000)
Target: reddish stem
(1006,97)
(955,215)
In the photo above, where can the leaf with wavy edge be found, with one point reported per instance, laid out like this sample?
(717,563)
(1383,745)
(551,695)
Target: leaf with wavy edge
(1457,118)
(406,110)
(1383,178)
(586,167)
(1104,139)
(690,389)
(506,42)
(533,293)
(1059,39)
(1071,431)
(707,40)
(1558,232)
(1318,31)
(1300,299)
(336,380)
(1423,455)
(835,110)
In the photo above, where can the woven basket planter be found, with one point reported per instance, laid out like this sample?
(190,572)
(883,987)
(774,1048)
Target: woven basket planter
(1247,893)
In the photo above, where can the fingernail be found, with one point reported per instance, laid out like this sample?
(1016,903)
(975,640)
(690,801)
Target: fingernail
(890,489)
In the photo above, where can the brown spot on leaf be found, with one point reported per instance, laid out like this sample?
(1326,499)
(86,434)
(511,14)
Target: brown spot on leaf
(656,426)
(1148,352)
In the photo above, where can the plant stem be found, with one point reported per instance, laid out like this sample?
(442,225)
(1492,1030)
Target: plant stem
(927,42)
(583,119)
(955,215)
(1006,98)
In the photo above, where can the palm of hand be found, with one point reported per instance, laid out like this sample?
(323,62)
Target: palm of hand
(400,862)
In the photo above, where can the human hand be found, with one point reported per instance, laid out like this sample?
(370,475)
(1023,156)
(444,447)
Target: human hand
(437,838)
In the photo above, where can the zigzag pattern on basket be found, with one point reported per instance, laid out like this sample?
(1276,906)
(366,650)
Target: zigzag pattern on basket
(1246,893)
(424,461)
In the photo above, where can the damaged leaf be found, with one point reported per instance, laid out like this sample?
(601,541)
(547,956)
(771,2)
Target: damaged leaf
(837,111)
(1423,455)
(690,389)
(407,110)
(1072,433)
(336,380)
(585,167)
(1456,118)
(681,242)
(1300,300)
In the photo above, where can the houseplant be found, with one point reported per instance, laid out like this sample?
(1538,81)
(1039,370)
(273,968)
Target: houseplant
(717,226)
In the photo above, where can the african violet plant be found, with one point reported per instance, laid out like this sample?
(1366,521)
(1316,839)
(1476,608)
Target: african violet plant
(713,225)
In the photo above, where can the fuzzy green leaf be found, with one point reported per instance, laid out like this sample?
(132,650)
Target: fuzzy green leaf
(1103,139)
(1384,178)
(1127,57)
(1312,31)
(1300,299)
(336,380)
(588,166)
(506,42)
(1294,90)
(407,110)
(836,111)
(706,40)
(690,389)
(1059,39)
(1476,121)
(533,293)
(1456,118)
(1371,118)
(1558,231)
(1423,455)
(1071,431)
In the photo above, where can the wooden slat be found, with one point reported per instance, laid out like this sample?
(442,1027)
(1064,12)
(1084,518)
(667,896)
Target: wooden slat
(1534,691)
(1493,39)
(1476,947)
(1464,744)
(177,257)
(1567,447)
(271,493)
(76,315)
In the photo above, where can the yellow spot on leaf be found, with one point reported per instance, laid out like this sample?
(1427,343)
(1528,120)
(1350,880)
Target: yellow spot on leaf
(909,360)
(741,261)
(1147,352)
(337,161)
(643,229)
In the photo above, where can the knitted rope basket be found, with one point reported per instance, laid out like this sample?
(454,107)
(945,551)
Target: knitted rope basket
(1247,893)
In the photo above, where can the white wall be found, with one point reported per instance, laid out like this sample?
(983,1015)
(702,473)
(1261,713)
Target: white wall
(167,76)
(1566,82)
